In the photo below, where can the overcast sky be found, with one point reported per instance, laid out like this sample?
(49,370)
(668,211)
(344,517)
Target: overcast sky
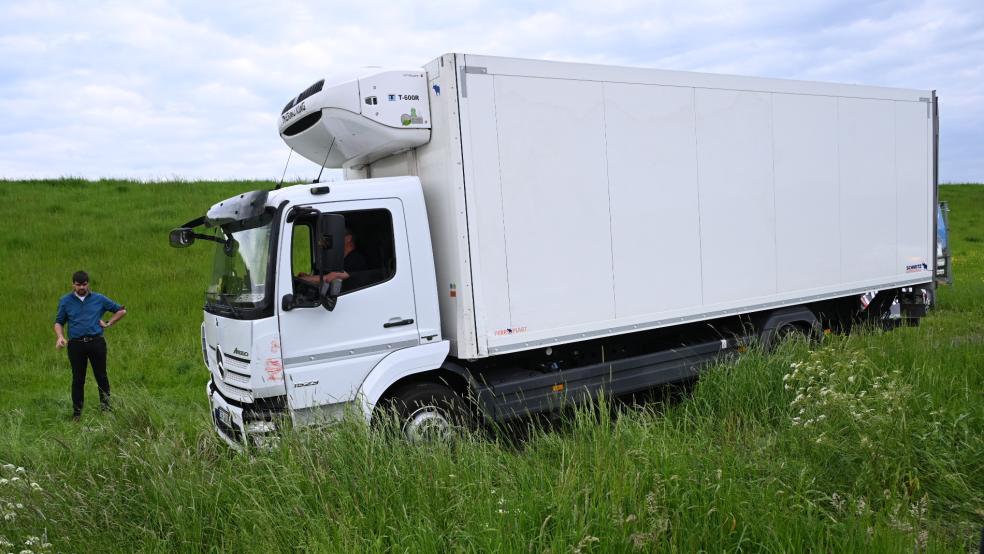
(155,90)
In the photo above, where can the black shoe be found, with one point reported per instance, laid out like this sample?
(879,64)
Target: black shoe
(76,417)
(106,408)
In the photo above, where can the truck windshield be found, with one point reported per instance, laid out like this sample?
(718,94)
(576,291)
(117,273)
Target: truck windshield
(239,269)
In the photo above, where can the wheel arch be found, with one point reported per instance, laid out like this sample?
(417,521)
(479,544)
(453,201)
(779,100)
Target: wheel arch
(424,363)
(800,316)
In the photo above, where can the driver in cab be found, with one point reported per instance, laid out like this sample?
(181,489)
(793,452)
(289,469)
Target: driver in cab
(354,262)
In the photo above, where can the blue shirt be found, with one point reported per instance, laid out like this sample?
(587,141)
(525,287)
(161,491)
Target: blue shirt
(83,317)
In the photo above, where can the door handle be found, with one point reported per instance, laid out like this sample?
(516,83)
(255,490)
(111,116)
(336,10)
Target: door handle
(389,324)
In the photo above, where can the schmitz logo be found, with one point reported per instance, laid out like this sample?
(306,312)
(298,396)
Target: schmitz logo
(916,267)
(298,109)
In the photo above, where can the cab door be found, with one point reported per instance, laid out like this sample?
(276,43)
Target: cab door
(327,355)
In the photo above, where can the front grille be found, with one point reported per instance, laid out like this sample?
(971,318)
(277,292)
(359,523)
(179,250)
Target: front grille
(236,379)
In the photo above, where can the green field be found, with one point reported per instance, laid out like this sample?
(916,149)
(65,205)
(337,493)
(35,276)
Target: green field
(867,443)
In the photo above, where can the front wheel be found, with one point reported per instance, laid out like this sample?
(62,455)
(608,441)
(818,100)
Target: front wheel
(430,411)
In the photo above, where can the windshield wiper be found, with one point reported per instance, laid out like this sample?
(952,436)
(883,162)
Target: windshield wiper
(220,303)
(225,296)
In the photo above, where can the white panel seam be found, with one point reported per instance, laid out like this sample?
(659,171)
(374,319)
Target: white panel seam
(608,181)
(895,170)
(840,196)
(468,310)
(775,213)
(700,244)
(502,203)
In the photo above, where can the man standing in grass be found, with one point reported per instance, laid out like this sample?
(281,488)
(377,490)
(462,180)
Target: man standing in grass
(83,309)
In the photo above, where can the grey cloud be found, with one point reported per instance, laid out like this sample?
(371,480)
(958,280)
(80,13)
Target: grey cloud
(193,88)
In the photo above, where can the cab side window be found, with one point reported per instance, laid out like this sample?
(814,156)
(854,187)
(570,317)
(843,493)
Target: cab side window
(370,253)
(301,254)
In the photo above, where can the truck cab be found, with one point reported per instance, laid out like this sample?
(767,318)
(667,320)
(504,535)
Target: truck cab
(278,345)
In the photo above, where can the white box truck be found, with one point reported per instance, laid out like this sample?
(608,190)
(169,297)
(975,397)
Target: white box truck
(514,234)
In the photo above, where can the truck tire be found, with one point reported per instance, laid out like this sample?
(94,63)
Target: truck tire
(792,332)
(429,411)
(787,323)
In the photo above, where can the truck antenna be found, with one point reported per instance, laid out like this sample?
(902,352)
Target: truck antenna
(330,146)
(285,170)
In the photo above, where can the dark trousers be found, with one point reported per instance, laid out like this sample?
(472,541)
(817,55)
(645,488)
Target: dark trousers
(79,354)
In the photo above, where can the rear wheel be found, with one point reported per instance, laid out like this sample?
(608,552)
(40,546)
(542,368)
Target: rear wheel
(429,411)
(792,331)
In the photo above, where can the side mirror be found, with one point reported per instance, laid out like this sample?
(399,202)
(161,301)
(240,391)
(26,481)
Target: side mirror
(182,237)
(329,294)
(329,247)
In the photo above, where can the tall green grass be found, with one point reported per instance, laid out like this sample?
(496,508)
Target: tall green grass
(866,443)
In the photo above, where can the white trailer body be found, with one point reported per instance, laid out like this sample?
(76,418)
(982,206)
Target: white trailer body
(570,201)
(536,232)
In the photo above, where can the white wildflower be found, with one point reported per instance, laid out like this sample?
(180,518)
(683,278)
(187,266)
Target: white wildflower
(8,467)
(4,542)
(850,379)
(35,487)
(31,541)
(3,482)
(19,506)
(20,470)
(922,540)
(9,516)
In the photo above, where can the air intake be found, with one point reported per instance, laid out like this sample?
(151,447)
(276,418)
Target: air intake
(302,124)
(313,89)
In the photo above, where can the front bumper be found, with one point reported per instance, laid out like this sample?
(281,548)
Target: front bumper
(226,418)
(246,425)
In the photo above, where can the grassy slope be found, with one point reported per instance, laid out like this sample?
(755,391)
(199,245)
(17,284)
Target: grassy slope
(886,454)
